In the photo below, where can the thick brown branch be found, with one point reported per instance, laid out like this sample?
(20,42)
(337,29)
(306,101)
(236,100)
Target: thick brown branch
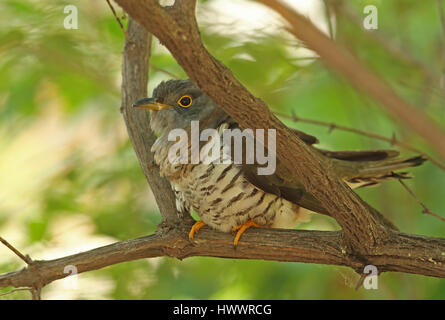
(135,65)
(404,253)
(280,245)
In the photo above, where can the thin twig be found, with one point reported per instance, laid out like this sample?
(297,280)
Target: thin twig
(332,126)
(389,45)
(118,20)
(426,210)
(174,76)
(441,15)
(36,293)
(328,18)
(404,253)
(432,81)
(27,259)
(442,23)
(360,281)
(14,290)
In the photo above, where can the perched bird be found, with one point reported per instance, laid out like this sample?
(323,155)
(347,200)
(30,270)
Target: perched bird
(233,197)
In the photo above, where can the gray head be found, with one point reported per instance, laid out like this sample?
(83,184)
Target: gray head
(175,103)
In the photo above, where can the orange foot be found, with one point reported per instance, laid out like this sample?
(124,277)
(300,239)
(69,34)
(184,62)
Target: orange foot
(241,228)
(198,225)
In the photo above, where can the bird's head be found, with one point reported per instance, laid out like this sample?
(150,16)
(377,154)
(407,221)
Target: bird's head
(175,103)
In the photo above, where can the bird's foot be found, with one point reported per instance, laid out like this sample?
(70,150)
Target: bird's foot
(195,228)
(241,228)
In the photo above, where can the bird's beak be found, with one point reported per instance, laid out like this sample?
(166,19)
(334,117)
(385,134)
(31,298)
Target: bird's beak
(150,104)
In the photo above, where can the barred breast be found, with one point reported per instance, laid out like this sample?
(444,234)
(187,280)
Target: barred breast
(222,197)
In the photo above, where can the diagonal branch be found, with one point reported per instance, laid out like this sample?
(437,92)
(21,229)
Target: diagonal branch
(26,258)
(346,64)
(393,141)
(388,44)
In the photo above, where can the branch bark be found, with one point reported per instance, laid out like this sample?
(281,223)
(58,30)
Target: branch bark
(135,64)
(404,253)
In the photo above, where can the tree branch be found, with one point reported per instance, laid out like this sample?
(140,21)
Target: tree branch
(405,253)
(393,141)
(399,52)
(26,258)
(135,64)
(346,64)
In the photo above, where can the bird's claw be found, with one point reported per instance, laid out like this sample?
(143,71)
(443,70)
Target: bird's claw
(195,228)
(241,228)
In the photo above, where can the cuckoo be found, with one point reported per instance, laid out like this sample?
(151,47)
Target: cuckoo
(230,196)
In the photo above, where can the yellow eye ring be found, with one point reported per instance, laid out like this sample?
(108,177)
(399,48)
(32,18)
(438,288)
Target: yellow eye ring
(185,101)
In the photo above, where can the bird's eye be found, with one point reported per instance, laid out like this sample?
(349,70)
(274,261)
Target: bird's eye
(185,101)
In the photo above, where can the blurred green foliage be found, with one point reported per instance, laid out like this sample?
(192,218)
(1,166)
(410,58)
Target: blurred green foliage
(69,179)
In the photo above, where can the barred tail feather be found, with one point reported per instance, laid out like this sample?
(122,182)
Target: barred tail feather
(373,173)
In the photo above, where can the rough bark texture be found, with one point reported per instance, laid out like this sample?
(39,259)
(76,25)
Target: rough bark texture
(366,237)
(135,63)
(406,253)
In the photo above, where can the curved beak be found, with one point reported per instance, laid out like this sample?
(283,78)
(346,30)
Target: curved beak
(150,104)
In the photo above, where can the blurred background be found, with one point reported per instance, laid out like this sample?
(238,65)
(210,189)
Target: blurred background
(70,181)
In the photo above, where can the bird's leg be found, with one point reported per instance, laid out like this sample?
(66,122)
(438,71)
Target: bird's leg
(241,228)
(195,228)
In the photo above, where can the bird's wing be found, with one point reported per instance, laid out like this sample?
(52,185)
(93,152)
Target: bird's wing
(274,184)
(295,192)
(307,138)
(365,155)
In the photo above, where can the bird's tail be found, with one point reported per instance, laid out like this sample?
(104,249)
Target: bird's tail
(369,167)
(371,173)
